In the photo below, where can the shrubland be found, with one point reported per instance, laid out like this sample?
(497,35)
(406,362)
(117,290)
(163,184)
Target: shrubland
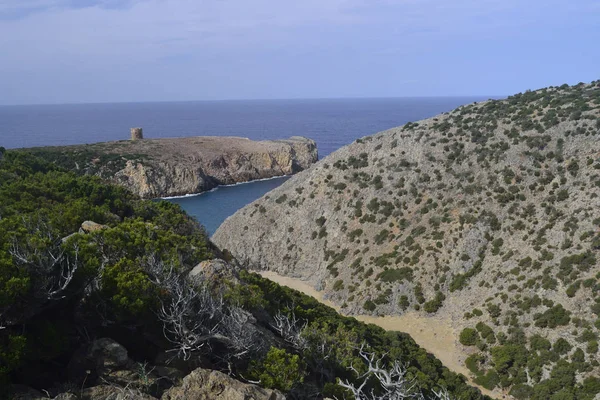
(487,215)
(82,260)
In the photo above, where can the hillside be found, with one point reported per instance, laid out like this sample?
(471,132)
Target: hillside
(178,166)
(107,296)
(487,215)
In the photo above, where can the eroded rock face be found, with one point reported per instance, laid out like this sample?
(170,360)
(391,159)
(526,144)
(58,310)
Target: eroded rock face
(155,168)
(485,214)
(208,162)
(204,384)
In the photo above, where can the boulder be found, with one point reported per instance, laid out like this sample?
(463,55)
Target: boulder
(91,226)
(98,359)
(214,271)
(204,384)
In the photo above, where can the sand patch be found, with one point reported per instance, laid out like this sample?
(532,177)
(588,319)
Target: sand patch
(434,334)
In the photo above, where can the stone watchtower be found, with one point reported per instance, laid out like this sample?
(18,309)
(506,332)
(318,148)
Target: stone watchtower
(137,134)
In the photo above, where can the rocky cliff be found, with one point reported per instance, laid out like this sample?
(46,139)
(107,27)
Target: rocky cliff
(177,166)
(488,214)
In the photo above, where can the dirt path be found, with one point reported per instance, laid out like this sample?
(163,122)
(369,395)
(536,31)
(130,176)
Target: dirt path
(435,334)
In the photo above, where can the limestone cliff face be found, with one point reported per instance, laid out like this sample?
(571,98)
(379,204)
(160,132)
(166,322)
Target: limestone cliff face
(155,168)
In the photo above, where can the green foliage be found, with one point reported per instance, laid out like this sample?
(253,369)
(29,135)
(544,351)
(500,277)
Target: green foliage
(42,208)
(468,337)
(338,285)
(507,357)
(460,281)
(486,332)
(369,305)
(396,274)
(435,304)
(539,343)
(521,391)
(12,348)
(279,370)
(128,288)
(553,317)
(489,381)
(473,362)
(561,346)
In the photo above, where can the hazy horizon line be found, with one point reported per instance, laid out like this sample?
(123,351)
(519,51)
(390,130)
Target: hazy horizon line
(493,97)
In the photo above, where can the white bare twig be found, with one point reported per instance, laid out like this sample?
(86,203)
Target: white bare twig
(393,382)
(290,329)
(192,317)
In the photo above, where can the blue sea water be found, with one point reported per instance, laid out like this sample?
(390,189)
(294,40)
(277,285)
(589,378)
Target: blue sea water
(332,123)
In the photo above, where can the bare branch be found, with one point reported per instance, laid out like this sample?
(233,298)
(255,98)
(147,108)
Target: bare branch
(290,329)
(187,316)
(69,266)
(243,337)
(393,382)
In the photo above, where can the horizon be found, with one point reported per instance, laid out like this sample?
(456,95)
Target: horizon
(483,97)
(107,51)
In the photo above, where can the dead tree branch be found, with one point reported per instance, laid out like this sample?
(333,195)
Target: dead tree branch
(393,381)
(290,329)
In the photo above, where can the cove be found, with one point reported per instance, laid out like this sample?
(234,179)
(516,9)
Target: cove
(213,207)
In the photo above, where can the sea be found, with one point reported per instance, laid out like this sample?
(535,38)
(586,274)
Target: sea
(332,123)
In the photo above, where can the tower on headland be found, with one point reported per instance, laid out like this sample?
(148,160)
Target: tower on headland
(137,134)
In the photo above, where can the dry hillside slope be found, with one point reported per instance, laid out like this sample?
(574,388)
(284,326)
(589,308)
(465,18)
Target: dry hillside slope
(489,214)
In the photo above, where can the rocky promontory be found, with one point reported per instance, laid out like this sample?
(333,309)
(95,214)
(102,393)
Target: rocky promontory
(165,167)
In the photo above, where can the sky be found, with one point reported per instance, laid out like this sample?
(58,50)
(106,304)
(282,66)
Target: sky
(82,51)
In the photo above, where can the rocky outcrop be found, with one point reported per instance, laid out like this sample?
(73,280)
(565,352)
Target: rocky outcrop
(214,272)
(155,168)
(100,360)
(103,370)
(91,226)
(204,384)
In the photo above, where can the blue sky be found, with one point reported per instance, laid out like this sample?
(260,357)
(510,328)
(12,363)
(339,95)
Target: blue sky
(74,51)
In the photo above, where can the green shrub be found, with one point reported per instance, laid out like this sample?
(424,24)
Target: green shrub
(338,285)
(489,381)
(521,391)
(553,317)
(395,275)
(279,370)
(486,332)
(435,304)
(561,346)
(468,337)
(369,305)
(539,343)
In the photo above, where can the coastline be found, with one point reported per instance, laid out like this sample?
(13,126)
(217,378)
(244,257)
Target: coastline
(221,186)
(184,166)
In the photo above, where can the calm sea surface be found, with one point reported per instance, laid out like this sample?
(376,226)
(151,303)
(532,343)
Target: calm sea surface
(332,123)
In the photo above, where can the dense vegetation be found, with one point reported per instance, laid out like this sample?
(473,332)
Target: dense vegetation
(101,159)
(125,276)
(488,215)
